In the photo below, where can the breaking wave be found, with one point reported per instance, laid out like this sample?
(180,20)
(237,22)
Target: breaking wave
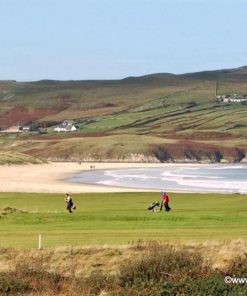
(204,178)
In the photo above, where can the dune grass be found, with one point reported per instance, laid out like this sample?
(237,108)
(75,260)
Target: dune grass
(119,218)
(18,158)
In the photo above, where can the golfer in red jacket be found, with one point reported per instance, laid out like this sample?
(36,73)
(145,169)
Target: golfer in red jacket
(165,201)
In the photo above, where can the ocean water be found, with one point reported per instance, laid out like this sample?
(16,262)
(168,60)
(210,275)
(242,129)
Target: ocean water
(201,178)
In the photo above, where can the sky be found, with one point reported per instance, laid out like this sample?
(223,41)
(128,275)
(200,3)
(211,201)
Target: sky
(114,39)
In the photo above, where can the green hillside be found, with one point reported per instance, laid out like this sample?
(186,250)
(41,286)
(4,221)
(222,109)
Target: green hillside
(172,117)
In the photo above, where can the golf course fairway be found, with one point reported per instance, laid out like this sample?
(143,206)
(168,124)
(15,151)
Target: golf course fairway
(119,218)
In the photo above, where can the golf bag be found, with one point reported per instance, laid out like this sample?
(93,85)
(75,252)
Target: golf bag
(153,205)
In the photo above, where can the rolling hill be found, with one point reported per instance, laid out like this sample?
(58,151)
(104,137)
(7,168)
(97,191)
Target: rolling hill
(157,117)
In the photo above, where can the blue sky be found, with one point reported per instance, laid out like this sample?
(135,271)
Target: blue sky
(113,39)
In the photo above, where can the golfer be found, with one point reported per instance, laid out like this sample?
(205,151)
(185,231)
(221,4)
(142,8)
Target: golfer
(69,202)
(165,201)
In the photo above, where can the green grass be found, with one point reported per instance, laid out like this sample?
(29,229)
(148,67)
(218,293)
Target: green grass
(119,218)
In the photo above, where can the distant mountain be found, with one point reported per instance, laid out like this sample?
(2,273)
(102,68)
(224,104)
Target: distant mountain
(172,117)
(220,74)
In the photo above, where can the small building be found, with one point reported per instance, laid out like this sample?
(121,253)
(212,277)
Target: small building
(25,128)
(238,100)
(65,128)
(232,99)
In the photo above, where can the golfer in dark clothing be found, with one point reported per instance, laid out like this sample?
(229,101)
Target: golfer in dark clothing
(165,201)
(69,202)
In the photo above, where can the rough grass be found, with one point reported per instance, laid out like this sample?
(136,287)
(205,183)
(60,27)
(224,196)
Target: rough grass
(8,158)
(86,146)
(119,218)
(190,252)
(139,270)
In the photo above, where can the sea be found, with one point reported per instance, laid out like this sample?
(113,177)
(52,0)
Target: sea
(218,178)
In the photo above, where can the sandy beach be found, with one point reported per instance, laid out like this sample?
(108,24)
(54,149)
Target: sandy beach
(51,177)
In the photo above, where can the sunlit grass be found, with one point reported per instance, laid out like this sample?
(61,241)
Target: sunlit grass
(119,218)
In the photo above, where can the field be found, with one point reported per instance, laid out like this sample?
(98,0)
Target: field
(119,218)
(172,117)
(111,245)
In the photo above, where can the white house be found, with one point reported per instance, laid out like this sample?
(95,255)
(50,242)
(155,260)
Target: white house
(238,100)
(26,128)
(65,128)
(234,99)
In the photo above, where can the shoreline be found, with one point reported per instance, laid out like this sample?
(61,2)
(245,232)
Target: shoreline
(53,177)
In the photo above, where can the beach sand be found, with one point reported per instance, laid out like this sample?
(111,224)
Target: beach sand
(51,177)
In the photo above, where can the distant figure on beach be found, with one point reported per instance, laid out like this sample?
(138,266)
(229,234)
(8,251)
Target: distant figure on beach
(70,205)
(165,201)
